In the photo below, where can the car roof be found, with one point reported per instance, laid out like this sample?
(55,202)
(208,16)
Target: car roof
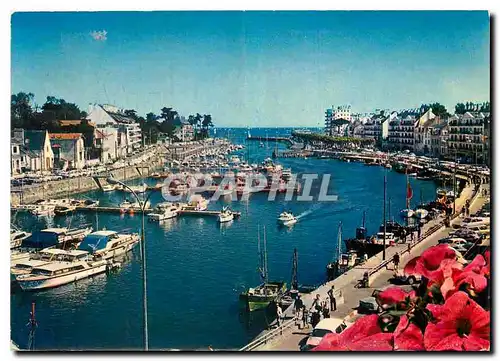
(329,324)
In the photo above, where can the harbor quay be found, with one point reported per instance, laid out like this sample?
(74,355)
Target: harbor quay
(143,165)
(290,334)
(191,228)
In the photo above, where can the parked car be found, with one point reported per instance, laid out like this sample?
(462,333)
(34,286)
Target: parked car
(404,278)
(324,327)
(368,305)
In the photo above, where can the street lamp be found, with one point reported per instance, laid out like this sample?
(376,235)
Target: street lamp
(142,205)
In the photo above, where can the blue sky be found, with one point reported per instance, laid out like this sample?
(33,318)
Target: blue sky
(253,68)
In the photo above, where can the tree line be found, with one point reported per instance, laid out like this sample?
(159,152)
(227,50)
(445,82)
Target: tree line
(24,113)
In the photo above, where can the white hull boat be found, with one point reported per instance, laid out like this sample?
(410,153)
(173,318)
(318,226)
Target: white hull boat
(108,244)
(164,213)
(407,213)
(59,273)
(287,219)
(225,216)
(421,213)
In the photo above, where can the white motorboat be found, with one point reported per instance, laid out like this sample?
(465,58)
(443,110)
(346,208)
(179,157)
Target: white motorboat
(226,215)
(407,213)
(54,237)
(136,189)
(57,273)
(25,266)
(450,194)
(108,188)
(421,213)
(287,219)
(43,210)
(17,237)
(108,244)
(197,203)
(164,211)
(390,238)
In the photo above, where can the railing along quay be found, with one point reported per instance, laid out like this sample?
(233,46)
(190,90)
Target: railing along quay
(263,339)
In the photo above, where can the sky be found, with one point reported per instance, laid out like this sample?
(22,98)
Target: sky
(253,68)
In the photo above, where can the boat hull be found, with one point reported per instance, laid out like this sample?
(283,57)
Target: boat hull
(407,213)
(51,282)
(259,301)
(363,247)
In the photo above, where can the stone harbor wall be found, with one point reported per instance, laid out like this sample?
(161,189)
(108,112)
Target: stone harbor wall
(64,187)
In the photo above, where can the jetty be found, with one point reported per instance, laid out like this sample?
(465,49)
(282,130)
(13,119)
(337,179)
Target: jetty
(272,139)
(116,209)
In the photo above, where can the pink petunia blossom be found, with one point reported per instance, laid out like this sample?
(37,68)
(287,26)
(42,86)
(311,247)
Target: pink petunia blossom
(462,325)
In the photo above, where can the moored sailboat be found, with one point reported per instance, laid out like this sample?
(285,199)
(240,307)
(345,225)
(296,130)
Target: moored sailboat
(268,291)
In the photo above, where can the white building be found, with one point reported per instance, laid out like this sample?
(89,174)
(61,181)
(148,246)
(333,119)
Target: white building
(423,132)
(335,114)
(106,140)
(129,132)
(467,136)
(68,149)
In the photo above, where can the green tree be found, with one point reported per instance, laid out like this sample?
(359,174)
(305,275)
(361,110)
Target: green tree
(460,108)
(21,111)
(206,124)
(167,125)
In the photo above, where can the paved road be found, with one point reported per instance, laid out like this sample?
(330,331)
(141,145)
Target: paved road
(293,337)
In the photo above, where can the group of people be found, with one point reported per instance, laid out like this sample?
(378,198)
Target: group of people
(320,308)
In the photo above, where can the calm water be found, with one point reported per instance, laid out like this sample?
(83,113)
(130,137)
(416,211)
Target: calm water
(196,269)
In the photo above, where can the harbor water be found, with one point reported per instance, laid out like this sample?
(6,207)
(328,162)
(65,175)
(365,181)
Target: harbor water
(197,268)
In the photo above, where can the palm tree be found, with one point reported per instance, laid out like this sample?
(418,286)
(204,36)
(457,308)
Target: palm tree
(207,122)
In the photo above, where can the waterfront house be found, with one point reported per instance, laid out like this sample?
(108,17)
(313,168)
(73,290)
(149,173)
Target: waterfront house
(423,132)
(183,131)
(106,142)
(129,137)
(377,127)
(68,149)
(468,136)
(31,150)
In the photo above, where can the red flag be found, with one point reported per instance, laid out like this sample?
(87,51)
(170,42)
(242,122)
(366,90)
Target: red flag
(409,192)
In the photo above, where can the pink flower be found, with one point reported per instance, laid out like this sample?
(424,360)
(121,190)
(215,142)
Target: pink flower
(462,325)
(394,297)
(472,275)
(407,336)
(429,263)
(364,335)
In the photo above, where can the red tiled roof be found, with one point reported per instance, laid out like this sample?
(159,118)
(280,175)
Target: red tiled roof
(64,123)
(65,136)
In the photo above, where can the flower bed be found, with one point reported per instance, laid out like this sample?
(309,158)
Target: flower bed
(448,311)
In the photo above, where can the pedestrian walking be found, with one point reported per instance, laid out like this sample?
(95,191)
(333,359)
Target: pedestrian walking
(298,304)
(333,301)
(395,260)
(279,315)
(304,317)
(326,312)
(316,305)
(315,318)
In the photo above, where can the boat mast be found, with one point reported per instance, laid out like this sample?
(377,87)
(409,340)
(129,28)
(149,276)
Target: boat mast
(261,256)
(266,272)
(295,283)
(389,209)
(339,242)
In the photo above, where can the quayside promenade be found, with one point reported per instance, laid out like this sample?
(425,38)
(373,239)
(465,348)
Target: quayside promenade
(289,337)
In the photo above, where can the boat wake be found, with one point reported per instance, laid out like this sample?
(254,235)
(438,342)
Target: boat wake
(314,208)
